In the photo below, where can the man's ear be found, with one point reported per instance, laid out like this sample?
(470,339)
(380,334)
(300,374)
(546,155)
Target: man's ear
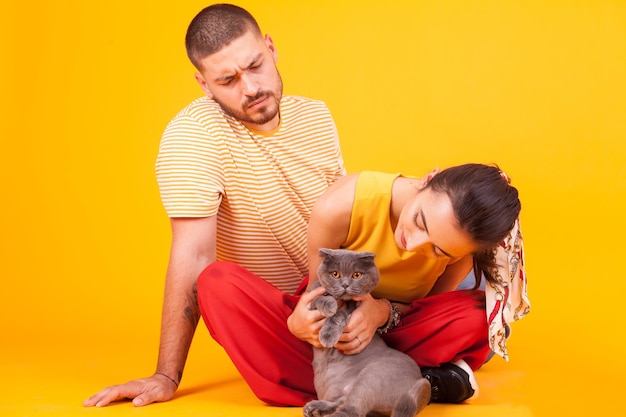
(269,42)
(426,178)
(203,84)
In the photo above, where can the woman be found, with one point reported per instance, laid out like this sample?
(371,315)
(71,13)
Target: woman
(428,234)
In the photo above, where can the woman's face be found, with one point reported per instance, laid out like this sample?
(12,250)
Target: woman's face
(427,225)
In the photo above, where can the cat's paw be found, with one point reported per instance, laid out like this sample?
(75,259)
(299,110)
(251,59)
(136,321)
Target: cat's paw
(327,305)
(329,336)
(318,408)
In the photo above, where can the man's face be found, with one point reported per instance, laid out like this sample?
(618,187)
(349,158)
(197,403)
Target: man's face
(242,77)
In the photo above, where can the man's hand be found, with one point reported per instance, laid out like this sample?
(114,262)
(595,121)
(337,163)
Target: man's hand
(157,388)
(305,323)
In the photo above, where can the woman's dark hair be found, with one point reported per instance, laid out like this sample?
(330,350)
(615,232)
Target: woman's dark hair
(486,207)
(215,27)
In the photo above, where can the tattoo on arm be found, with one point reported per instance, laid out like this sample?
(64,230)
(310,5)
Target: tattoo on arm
(192,311)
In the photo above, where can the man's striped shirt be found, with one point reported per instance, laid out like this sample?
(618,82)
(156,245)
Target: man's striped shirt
(260,185)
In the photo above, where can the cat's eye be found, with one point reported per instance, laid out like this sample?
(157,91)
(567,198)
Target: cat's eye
(335,274)
(357,275)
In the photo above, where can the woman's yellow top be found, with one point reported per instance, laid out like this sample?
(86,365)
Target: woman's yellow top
(404,276)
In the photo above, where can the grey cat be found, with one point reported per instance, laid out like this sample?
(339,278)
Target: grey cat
(378,381)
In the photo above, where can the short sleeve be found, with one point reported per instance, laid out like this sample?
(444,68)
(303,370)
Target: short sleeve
(188,169)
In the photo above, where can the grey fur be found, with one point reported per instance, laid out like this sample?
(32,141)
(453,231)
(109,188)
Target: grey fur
(378,381)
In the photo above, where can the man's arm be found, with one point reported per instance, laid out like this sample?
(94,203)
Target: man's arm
(193,248)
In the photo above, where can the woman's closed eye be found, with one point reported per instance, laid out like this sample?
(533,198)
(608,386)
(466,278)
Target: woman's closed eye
(418,222)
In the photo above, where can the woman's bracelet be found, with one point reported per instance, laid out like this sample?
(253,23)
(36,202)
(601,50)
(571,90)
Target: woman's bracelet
(168,377)
(392,321)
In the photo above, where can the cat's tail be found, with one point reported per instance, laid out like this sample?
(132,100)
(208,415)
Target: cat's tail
(411,403)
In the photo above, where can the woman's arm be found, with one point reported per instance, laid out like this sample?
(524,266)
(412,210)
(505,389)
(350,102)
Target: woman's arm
(328,228)
(453,275)
(330,221)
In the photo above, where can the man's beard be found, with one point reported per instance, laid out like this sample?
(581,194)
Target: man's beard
(262,115)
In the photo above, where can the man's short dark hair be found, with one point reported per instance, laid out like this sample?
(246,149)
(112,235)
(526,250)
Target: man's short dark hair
(215,27)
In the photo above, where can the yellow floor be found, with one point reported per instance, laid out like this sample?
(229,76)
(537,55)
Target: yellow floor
(53,380)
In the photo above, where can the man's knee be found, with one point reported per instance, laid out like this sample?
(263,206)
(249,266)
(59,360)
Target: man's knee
(223,279)
(213,277)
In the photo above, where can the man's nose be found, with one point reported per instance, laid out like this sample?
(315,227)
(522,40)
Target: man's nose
(250,86)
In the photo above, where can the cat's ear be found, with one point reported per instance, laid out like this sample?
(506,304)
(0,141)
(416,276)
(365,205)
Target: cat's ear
(366,258)
(325,252)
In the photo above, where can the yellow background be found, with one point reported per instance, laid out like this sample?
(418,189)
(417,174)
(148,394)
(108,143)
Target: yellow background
(87,87)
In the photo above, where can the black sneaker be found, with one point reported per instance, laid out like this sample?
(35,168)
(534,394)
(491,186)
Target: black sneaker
(451,382)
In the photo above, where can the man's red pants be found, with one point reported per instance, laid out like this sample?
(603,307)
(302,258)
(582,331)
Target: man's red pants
(248,317)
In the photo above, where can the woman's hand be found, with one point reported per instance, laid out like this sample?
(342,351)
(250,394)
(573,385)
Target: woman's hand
(304,323)
(369,315)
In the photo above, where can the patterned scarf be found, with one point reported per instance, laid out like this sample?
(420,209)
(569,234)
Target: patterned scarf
(507,298)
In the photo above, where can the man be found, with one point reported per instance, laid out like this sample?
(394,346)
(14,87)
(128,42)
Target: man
(239,171)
